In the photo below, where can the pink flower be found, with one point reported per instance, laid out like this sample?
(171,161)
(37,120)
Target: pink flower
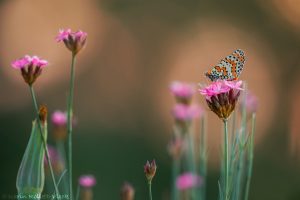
(214,88)
(221,96)
(187,181)
(251,103)
(31,67)
(184,112)
(74,41)
(87,181)
(234,84)
(59,118)
(183,92)
(63,35)
(28,61)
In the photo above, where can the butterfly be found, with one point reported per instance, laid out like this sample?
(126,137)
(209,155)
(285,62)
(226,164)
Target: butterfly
(229,68)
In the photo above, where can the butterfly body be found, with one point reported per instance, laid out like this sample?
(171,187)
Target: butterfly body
(229,68)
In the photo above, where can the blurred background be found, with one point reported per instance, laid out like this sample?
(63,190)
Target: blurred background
(135,49)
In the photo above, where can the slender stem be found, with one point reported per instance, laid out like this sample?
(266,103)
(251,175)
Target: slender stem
(61,149)
(150,190)
(250,157)
(203,157)
(191,156)
(175,173)
(226,180)
(44,140)
(78,192)
(70,124)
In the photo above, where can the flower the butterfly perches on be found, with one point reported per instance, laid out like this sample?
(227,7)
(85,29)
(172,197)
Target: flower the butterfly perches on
(222,96)
(229,68)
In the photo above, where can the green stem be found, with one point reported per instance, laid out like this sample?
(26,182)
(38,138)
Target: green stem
(44,140)
(69,124)
(175,173)
(191,157)
(150,190)
(226,180)
(61,149)
(250,157)
(203,157)
(78,192)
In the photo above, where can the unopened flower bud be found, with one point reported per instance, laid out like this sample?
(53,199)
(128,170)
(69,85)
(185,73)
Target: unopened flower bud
(43,113)
(150,170)
(127,192)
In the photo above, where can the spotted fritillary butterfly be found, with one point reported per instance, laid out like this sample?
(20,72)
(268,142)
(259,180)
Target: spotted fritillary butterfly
(229,68)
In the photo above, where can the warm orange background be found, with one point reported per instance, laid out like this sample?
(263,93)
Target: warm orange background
(135,49)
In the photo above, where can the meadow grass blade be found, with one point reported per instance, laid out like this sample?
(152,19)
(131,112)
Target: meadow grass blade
(250,157)
(203,157)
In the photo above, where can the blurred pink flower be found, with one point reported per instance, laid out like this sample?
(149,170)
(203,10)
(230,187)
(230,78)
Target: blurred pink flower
(53,154)
(183,92)
(251,102)
(56,160)
(184,112)
(59,118)
(127,191)
(31,67)
(188,180)
(74,41)
(87,181)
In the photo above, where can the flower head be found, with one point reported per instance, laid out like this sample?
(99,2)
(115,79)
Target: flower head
(182,112)
(31,67)
(59,118)
(74,41)
(87,181)
(221,96)
(150,170)
(188,180)
(183,92)
(127,192)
